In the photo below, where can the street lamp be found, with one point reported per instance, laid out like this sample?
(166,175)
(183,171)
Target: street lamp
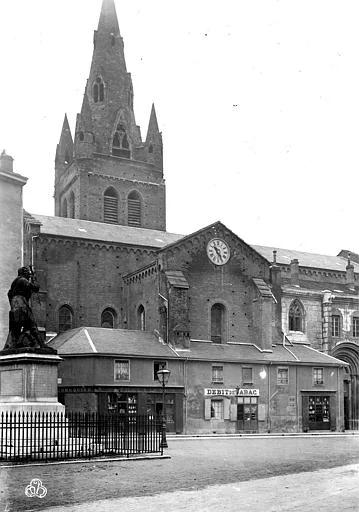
(163,376)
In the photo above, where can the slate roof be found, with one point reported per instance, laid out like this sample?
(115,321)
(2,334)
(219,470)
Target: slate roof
(177,279)
(295,354)
(306,259)
(263,288)
(92,340)
(84,229)
(97,340)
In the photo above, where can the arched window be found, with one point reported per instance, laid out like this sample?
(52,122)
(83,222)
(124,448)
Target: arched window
(217,323)
(134,209)
(64,208)
(98,90)
(141,318)
(120,143)
(65,318)
(72,206)
(67,157)
(110,206)
(296,316)
(108,318)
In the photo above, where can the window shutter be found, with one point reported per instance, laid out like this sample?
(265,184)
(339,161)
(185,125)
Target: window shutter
(233,412)
(134,212)
(305,413)
(262,412)
(110,210)
(207,408)
(332,412)
(226,405)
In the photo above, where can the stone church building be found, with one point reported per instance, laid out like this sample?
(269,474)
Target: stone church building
(257,338)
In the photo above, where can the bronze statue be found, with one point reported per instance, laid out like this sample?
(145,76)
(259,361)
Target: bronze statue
(23,331)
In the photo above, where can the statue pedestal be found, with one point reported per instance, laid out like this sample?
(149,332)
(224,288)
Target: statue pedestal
(31,418)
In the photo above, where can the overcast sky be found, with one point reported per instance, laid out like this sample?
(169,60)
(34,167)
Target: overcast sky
(258,103)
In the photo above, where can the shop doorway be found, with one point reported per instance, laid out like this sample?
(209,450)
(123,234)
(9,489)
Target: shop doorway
(155,407)
(319,412)
(247,414)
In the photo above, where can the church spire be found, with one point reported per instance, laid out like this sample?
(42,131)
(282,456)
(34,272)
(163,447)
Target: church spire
(154,141)
(65,147)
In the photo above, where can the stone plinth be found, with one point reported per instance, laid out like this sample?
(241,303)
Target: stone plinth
(28,383)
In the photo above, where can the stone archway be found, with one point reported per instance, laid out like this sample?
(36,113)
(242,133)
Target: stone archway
(349,352)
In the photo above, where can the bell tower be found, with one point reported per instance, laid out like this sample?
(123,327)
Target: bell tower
(105,172)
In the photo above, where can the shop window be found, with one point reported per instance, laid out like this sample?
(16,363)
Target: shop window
(120,143)
(318,377)
(141,318)
(296,316)
(110,206)
(158,365)
(356,327)
(282,376)
(122,369)
(65,318)
(108,318)
(134,209)
(217,373)
(217,323)
(247,375)
(335,325)
(217,409)
(122,403)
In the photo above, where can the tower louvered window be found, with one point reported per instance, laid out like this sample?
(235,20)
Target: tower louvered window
(110,206)
(120,143)
(134,209)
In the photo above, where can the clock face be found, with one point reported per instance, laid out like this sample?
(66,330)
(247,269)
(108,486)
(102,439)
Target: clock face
(218,251)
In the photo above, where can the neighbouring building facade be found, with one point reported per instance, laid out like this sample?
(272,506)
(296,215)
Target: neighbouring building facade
(256,338)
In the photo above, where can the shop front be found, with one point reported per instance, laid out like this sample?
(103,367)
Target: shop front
(147,401)
(319,410)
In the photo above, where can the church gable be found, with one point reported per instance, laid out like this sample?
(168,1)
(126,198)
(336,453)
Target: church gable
(216,248)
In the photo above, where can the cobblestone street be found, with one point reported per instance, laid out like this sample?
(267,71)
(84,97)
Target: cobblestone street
(195,464)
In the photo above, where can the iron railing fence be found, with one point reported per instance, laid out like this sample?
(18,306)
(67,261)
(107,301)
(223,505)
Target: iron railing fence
(58,436)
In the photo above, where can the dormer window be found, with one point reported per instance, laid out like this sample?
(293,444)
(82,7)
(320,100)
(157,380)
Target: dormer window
(98,90)
(120,144)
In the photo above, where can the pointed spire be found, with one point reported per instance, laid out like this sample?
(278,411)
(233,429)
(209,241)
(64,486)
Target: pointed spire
(153,132)
(65,147)
(107,38)
(108,22)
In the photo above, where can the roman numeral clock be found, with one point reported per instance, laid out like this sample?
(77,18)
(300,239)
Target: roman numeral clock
(218,251)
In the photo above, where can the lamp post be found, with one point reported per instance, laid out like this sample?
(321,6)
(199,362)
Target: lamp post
(163,376)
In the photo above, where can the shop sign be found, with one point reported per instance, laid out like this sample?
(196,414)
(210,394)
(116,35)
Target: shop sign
(231,392)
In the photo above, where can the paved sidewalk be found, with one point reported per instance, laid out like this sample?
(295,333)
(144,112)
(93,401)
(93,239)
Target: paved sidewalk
(319,491)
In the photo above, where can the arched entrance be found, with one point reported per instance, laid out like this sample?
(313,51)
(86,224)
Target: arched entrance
(349,352)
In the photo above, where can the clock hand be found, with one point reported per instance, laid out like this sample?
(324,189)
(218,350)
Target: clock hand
(218,252)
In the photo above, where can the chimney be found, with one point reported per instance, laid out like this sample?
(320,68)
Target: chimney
(349,273)
(6,162)
(294,272)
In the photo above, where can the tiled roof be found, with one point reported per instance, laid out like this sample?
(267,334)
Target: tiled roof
(306,259)
(91,340)
(76,228)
